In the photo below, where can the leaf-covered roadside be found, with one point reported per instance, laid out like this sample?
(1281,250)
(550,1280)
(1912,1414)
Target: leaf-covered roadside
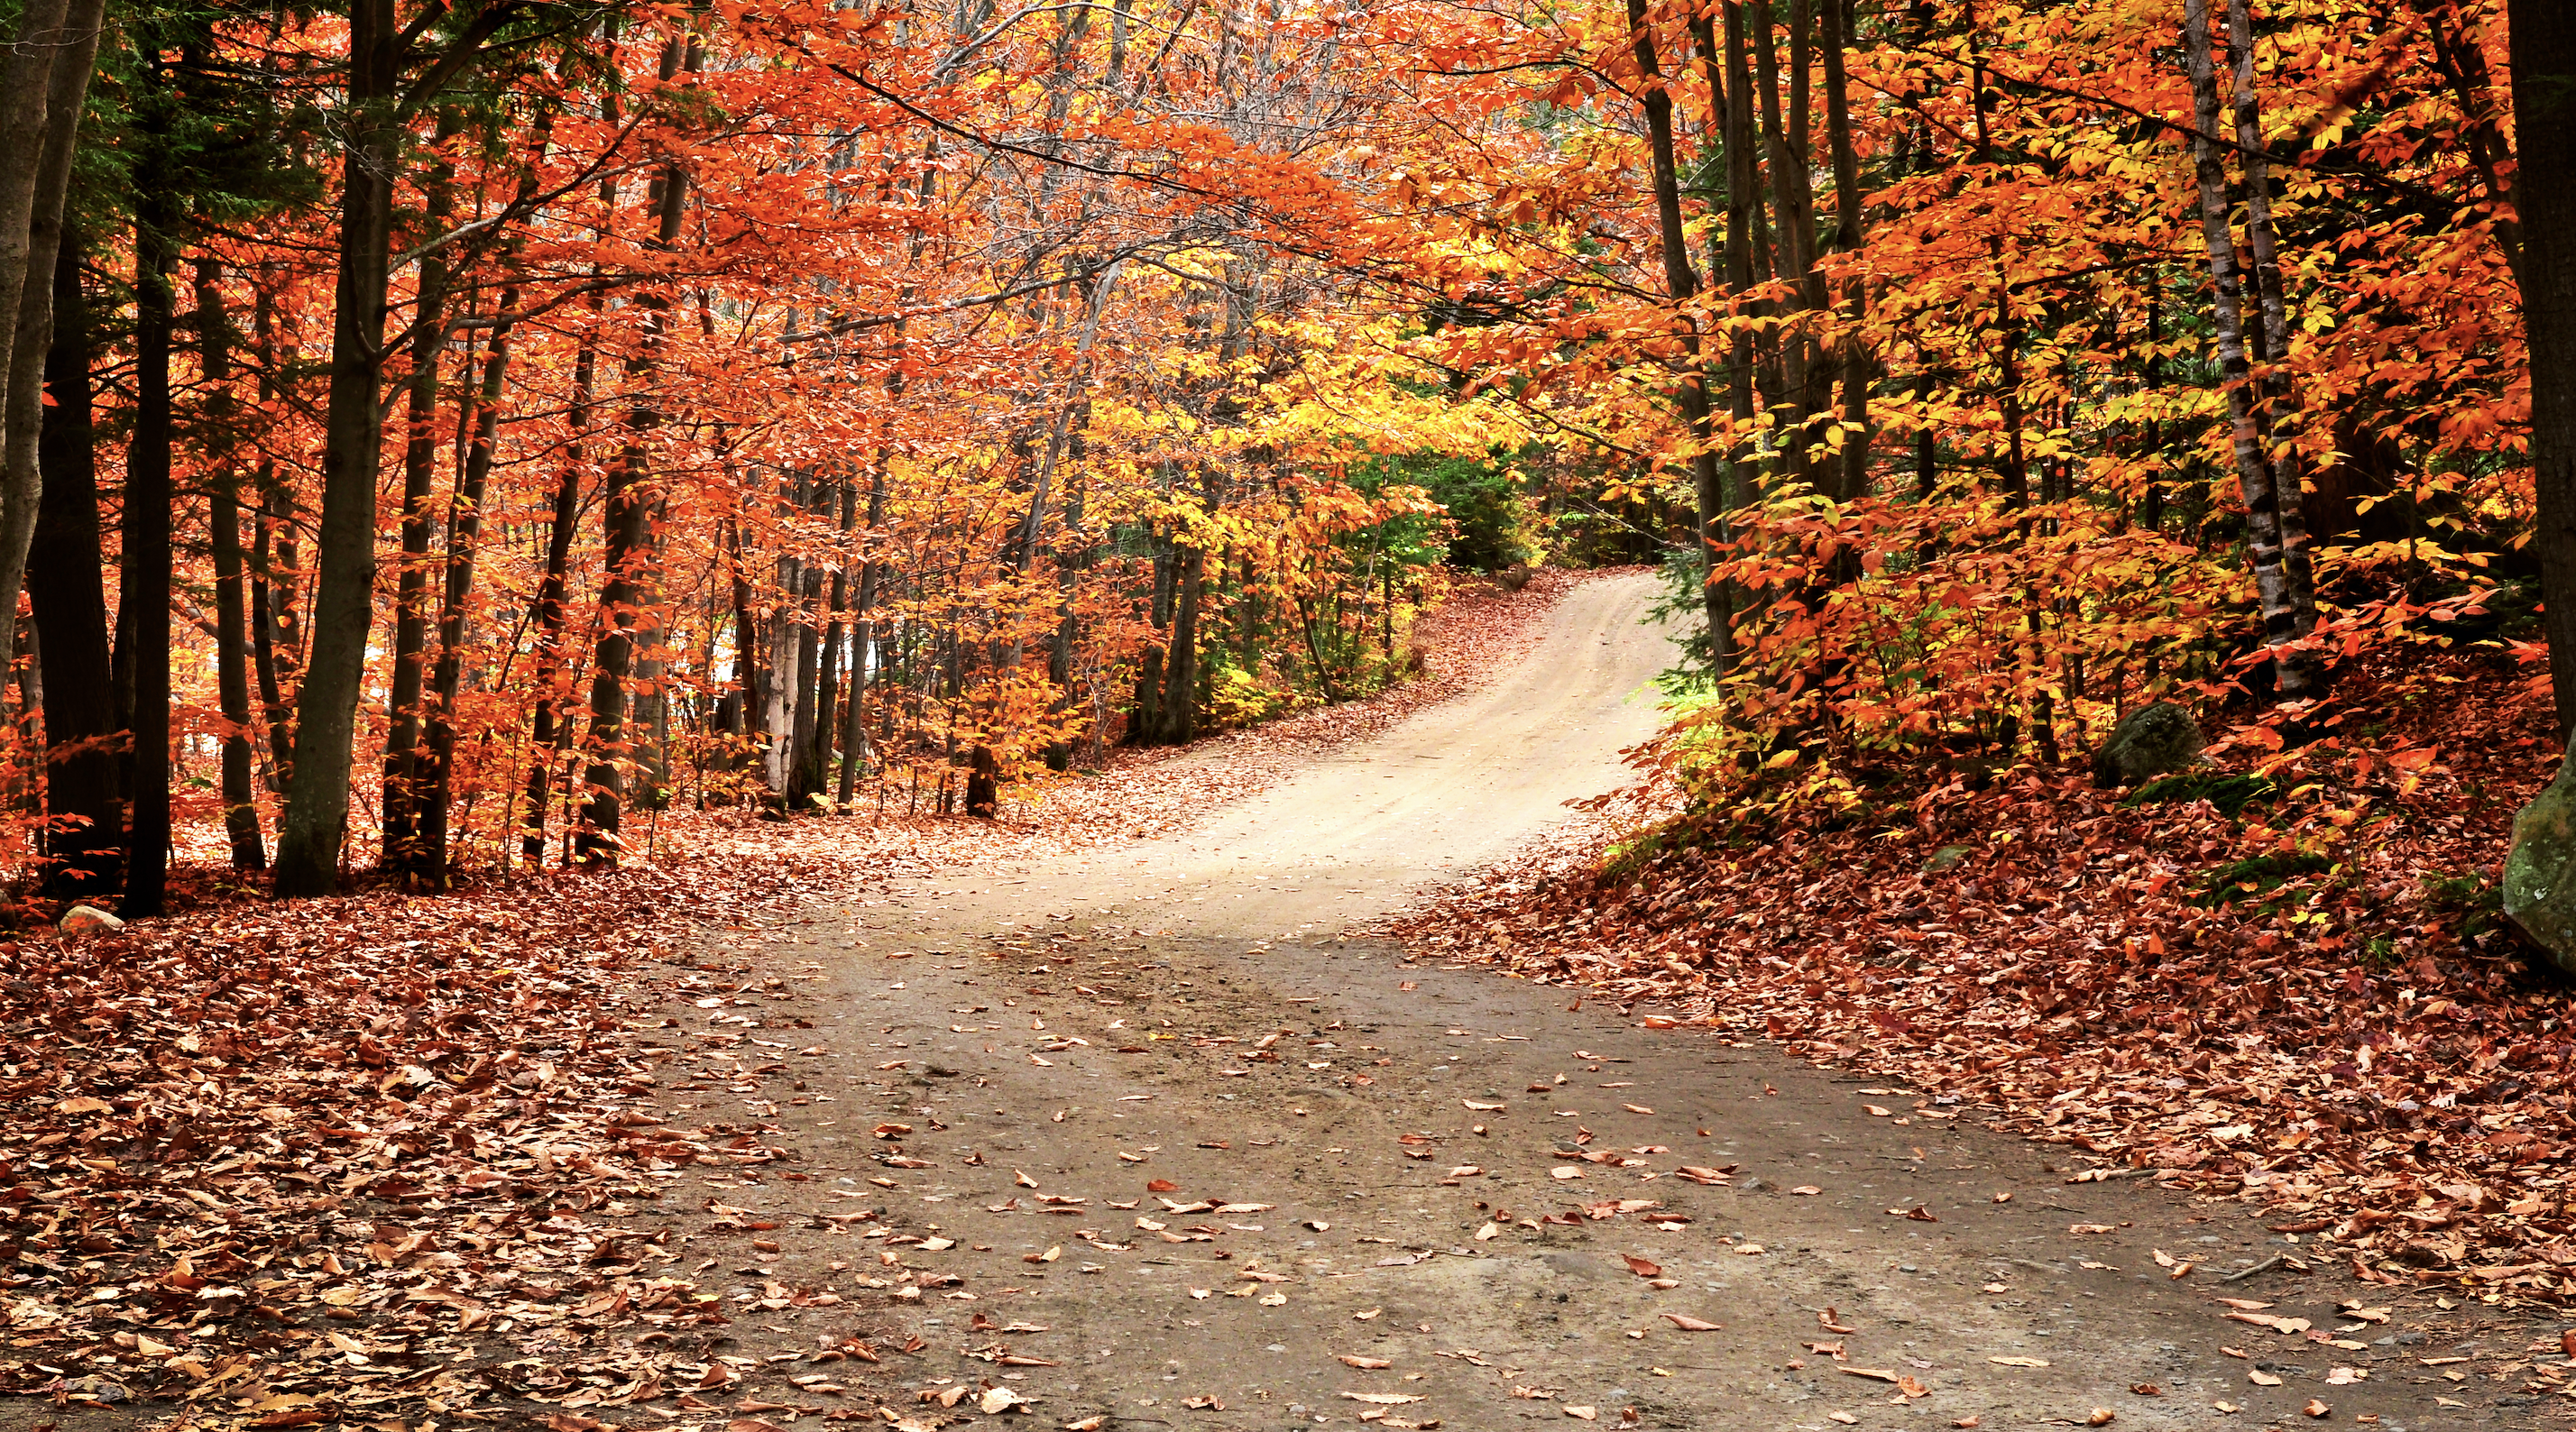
(285,1163)
(2311,1004)
(385,1158)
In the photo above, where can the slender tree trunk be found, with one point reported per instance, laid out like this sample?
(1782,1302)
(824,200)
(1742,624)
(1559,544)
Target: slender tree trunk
(1181,668)
(70,607)
(804,778)
(464,537)
(779,691)
(316,822)
(752,687)
(1858,369)
(827,720)
(223,502)
(1743,214)
(1692,386)
(854,734)
(2273,391)
(56,68)
(2544,97)
(412,599)
(1793,202)
(272,605)
(146,560)
(630,591)
(2273,583)
(26,75)
(548,727)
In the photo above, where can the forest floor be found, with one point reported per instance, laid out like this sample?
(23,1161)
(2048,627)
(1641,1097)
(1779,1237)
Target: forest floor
(1113,1130)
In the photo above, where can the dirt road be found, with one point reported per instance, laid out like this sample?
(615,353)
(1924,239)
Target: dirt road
(1137,1137)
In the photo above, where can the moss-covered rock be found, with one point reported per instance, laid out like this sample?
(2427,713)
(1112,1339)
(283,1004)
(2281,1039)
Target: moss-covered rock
(2151,741)
(2540,871)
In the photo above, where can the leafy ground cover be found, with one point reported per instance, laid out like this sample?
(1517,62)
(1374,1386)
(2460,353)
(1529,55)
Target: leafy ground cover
(2310,1002)
(382,1157)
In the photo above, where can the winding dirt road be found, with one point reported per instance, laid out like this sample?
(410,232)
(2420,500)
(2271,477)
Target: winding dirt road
(1139,1137)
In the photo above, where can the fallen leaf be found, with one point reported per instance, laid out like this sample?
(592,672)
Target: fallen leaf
(1690,1324)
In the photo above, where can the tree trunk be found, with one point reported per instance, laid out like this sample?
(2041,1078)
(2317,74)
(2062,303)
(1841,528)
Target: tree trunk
(146,559)
(316,823)
(630,591)
(70,606)
(464,535)
(548,727)
(2273,584)
(779,692)
(274,642)
(402,775)
(1858,369)
(1180,704)
(1679,281)
(804,778)
(612,661)
(57,69)
(827,720)
(984,785)
(2544,99)
(1793,205)
(854,735)
(223,503)
(2273,392)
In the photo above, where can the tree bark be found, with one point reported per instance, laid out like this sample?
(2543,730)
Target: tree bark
(146,559)
(402,775)
(2273,583)
(223,503)
(316,822)
(57,68)
(547,727)
(274,640)
(1180,705)
(854,734)
(70,607)
(630,590)
(1858,369)
(2273,391)
(1681,283)
(827,699)
(2544,99)
(779,691)
(437,773)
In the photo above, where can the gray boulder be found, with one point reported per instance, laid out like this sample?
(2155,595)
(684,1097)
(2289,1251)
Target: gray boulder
(2151,741)
(88,920)
(2540,870)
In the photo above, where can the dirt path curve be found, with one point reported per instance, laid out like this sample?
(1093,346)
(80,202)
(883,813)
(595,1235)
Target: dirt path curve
(1138,1137)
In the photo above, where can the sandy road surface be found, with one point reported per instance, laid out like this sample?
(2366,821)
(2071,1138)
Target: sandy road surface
(1136,1136)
